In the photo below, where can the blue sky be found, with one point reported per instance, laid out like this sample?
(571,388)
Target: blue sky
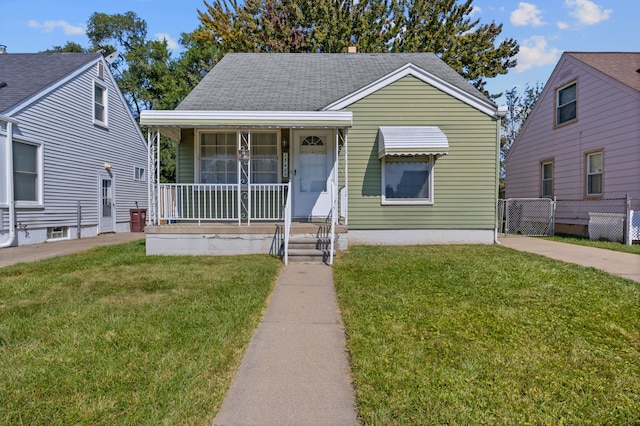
(543,28)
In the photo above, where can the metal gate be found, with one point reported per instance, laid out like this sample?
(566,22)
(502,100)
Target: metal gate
(526,216)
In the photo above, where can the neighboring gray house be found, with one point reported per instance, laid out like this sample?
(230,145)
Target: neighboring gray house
(581,142)
(380,148)
(73,161)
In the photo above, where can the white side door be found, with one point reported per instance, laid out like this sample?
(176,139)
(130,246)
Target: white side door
(106,207)
(312,165)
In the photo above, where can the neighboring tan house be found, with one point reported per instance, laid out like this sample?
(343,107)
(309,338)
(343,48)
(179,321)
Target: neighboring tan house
(381,148)
(581,142)
(73,160)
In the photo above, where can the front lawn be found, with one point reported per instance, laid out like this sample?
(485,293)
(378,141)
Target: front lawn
(112,336)
(488,335)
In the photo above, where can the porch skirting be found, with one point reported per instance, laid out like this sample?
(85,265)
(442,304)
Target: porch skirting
(398,237)
(225,239)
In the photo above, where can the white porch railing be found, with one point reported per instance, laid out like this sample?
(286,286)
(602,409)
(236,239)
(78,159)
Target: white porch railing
(221,202)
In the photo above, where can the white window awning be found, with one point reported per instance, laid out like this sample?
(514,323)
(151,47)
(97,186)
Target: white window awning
(411,140)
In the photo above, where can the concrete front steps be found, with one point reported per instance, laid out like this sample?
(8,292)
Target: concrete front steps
(309,249)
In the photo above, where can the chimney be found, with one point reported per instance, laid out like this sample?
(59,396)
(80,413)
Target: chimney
(3,49)
(352,49)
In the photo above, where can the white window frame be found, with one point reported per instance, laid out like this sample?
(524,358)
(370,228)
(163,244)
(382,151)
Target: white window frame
(105,106)
(407,201)
(590,173)
(139,173)
(543,180)
(64,231)
(38,202)
(198,157)
(559,106)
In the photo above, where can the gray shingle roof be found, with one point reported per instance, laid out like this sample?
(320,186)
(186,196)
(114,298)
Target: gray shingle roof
(303,82)
(28,73)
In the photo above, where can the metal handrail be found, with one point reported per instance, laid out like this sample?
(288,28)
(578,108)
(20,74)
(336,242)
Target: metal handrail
(287,223)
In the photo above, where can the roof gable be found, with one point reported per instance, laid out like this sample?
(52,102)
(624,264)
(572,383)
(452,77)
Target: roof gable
(313,81)
(29,74)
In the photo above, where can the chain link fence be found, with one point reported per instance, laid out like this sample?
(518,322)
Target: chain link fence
(615,219)
(526,216)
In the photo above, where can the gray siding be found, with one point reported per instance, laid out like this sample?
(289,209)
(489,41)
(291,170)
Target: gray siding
(75,151)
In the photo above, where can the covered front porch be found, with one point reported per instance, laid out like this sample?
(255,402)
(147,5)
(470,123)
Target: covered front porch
(248,181)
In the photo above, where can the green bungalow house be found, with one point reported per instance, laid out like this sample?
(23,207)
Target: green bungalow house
(273,149)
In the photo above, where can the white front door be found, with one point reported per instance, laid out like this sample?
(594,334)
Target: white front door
(107,211)
(312,165)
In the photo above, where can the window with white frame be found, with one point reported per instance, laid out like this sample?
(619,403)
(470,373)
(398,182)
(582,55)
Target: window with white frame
(566,104)
(264,157)
(594,173)
(27,172)
(218,161)
(546,172)
(407,179)
(57,232)
(139,173)
(100,112)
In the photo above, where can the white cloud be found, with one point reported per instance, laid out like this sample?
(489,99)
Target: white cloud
(534,52)
(562,25)
(587,12)
(49,26)
(171,43)
(526,14)
(475,10)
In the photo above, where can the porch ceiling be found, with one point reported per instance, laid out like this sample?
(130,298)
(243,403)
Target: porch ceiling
(170,122)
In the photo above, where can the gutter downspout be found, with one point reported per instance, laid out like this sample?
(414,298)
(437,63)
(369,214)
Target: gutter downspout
(501,112)
(9,180)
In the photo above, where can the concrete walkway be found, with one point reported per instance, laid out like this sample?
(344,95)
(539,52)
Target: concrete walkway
(624,265)
(295,371)
(33,252)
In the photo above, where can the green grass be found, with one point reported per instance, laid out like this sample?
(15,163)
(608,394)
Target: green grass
(583,241)
(488,335)
(112,336)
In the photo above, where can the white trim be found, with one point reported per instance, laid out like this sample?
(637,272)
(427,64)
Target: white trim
(407,201)
(409,69)
(45,91)
(39,202)
(247,118)
(401,237)
(105,101)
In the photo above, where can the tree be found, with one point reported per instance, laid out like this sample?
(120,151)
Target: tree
(519,106)
(68,47)
(443,27)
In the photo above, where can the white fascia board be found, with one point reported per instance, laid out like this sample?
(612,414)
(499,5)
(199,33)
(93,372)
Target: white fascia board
(33,98)
(417,72)
(7,119)
(184,118)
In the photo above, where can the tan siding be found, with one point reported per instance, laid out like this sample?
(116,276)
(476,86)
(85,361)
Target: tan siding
(464,180)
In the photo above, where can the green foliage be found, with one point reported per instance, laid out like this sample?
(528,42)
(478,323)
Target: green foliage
(113,336)
(69,47)
(488,335)
(373,26)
